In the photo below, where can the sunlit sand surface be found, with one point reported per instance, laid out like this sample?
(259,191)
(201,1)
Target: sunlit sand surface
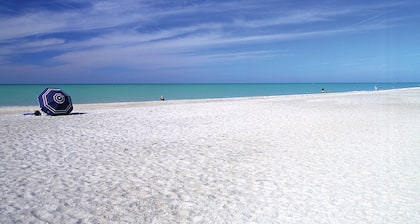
(321,158)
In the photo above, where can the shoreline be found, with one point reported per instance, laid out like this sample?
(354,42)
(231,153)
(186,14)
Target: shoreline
(91,106)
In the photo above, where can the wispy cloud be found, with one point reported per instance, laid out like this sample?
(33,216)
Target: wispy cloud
(100,15)
(156,34)
(167,44)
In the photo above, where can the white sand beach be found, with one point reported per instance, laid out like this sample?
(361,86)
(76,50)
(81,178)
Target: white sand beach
(321,158)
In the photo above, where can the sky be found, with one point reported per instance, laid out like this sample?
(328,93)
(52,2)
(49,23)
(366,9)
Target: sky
(204,41)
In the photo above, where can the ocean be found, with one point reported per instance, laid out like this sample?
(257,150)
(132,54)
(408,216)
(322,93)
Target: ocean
(26,95)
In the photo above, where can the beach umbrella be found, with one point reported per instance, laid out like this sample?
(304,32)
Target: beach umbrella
(54,101)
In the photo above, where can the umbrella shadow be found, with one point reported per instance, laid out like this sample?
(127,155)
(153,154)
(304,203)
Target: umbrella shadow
(35,114)
(77,113)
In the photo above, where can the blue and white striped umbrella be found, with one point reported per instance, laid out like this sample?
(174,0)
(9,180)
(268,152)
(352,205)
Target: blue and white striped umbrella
(55,102)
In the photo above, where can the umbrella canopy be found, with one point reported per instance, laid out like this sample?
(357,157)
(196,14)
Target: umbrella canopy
(55,102)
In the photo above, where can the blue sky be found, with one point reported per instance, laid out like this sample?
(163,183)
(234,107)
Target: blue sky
(231,41)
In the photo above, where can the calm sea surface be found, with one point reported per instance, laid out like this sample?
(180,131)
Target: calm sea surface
(26,95)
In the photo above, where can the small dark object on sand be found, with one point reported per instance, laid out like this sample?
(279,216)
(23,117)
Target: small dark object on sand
(37,113)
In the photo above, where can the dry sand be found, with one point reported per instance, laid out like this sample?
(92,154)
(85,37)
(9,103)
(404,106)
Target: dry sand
(322,158)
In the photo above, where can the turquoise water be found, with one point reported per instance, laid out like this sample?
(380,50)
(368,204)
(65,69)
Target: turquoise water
(26,95)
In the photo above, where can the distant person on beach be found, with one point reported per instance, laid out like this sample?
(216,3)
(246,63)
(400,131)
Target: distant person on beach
(162,98)
(322,90)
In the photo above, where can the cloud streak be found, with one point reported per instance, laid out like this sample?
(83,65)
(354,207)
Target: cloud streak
(164,34)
